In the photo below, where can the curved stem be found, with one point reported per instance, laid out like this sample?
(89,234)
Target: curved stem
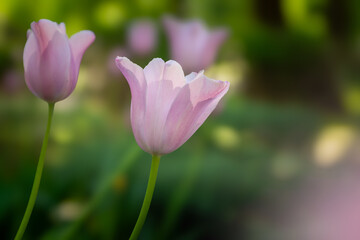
(37,179)
(148,196)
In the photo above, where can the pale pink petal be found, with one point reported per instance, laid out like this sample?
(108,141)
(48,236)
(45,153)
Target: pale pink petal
(192,76)
(185,118)
(62,28)
(203,88)
(208,102)
(163,83)
(79,42)
(28,32)
(160,96)
(55,67)
(31,61)
(134,75)
(44,31)
(30,48)
(32,75)
(158,70)
(154,71)
(174,73)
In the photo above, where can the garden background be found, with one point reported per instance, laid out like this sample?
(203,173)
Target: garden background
(278,159)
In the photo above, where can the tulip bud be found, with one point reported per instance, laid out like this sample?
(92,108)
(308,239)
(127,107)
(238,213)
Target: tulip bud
(52,60)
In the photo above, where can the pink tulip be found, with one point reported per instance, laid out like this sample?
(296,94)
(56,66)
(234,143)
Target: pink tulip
(167,107)
(192,45)
(52,60)
(142,37)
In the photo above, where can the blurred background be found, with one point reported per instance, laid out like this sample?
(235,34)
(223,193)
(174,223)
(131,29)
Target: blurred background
(277,160)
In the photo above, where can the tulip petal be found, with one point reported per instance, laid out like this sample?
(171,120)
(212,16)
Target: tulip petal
(203,88)
(185,118)
(79,42)
(28,32)
(31,47)
(200,113)
(134,75)
(62,28)
(158,70)
(154,71)
(160,96)
(174,73)
(31,58)
(192,76)
(163,83)
(57,75)
(32,74)
(44,31)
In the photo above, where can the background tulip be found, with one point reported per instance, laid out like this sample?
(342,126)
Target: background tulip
(167,107)
(52,60)
(192,45)
(142,37)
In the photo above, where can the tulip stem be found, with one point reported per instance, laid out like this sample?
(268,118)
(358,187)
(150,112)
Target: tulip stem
(148,196)
(37,179)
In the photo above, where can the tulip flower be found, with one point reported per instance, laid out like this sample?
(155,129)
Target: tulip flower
(51,63)
(52,60)
(192,44)
(142,37)
(166,110)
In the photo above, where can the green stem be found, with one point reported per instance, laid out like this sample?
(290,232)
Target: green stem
(37,179)
(148,196)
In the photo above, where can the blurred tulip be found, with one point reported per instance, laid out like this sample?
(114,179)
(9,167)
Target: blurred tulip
(142,37)
(52,60)
(192,45)
(167,107)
